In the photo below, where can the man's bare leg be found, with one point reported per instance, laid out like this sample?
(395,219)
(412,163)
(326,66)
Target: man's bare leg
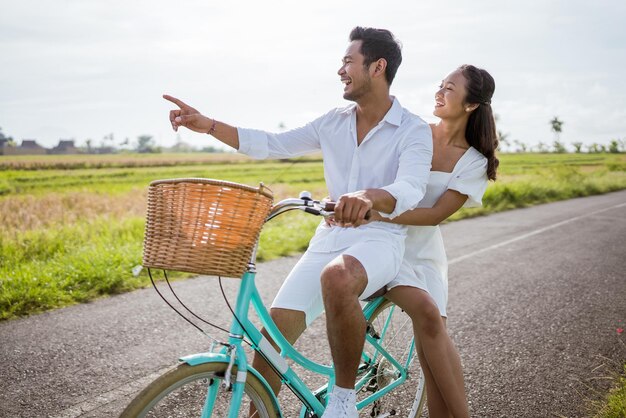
(291,324)
(343,280)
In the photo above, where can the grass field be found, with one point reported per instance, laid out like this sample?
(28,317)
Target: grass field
(72,226)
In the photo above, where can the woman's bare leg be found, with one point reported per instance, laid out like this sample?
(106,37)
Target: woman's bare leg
(442,359)
(436,405)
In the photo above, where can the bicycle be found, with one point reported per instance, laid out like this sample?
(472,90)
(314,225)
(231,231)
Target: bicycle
(221,382)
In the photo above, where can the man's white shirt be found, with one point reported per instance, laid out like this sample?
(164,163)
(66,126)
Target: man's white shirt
(395,156)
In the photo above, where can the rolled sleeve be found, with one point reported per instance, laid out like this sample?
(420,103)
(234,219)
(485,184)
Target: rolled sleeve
(403,193)
(410,184)
(253,143)
(261,145)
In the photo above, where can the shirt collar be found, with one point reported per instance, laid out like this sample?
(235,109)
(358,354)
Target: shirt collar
(393,116)
(348,109)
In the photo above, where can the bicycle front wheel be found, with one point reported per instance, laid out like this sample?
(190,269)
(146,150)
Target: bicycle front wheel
(393,329)
(182,392)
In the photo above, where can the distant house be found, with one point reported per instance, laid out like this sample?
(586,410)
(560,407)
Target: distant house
(65,147)
(28,147)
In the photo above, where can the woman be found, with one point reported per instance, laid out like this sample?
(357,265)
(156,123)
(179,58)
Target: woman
(464,144)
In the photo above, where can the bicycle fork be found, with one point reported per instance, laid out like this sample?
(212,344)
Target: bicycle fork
(237,356)
(235,352)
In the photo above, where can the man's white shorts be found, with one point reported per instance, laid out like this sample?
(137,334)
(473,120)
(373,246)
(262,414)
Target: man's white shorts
(302,291)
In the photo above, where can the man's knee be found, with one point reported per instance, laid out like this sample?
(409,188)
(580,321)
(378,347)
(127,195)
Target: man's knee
(345,275)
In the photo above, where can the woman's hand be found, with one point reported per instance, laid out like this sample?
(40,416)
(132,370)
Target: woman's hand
(372,216)
(330,221)
(188,117)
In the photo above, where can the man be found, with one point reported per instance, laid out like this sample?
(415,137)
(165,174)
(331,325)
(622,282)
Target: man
(377,156)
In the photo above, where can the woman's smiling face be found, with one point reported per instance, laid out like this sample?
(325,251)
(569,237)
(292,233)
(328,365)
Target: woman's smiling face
(450,98)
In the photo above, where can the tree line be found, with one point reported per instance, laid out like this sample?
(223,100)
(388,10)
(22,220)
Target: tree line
(145,144)
(558,146)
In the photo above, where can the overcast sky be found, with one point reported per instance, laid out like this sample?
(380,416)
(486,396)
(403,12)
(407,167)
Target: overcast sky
(84,69)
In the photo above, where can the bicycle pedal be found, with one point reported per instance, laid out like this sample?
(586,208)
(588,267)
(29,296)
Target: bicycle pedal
(372,385)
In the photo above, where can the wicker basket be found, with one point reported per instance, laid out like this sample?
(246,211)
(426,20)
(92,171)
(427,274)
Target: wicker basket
(203,226)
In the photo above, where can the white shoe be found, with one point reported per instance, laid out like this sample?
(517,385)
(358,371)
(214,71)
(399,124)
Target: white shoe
(341,407)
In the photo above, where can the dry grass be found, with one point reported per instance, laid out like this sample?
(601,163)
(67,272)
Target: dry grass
(27,213)
(64,162)
(38,162)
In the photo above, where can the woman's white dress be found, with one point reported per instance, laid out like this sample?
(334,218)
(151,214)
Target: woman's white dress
(425,264)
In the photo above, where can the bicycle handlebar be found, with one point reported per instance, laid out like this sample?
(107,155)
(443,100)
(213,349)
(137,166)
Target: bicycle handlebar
(306,204)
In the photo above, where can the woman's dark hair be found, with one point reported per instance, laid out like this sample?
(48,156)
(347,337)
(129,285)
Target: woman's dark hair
(481,126)
(377,44)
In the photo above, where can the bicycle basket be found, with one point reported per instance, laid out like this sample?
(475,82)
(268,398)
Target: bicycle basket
(203,226)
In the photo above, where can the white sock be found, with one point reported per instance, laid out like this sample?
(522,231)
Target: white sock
(343,393)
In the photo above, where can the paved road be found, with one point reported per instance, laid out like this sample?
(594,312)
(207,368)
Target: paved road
(536,297)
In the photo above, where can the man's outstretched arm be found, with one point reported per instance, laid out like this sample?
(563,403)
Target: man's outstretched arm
(254,143)
(190,118)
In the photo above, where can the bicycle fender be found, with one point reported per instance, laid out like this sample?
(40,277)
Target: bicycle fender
(201,358)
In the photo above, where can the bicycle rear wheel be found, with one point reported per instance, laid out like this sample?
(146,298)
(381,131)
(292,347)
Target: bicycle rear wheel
(182,392)
(394,330)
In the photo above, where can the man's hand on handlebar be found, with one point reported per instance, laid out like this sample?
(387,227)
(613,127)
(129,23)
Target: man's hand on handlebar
(352,209)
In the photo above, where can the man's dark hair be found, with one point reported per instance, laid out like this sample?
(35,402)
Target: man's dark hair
(377,44)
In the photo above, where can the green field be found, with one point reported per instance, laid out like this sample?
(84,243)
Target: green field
(72,226)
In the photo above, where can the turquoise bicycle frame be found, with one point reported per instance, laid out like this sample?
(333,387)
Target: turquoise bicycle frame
(235,355)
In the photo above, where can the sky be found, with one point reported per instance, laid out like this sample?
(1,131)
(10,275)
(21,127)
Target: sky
(83,69)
